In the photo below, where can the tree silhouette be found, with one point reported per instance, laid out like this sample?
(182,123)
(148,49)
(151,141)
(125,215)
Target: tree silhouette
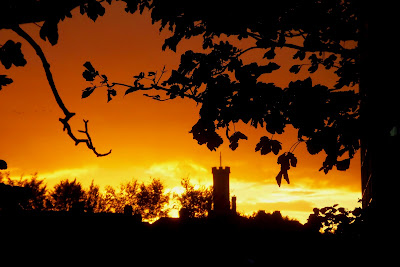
(195,203)
(67,195)
(152,201)
(14,13)
(115,201)
(93,199)
(3,165)
(36,191)
(320,34)
(333,219)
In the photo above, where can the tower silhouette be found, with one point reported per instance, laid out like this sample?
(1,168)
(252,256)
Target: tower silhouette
(221,190)
(221,204)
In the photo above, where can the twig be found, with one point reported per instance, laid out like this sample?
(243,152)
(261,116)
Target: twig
(60,103)
(162,73)
(293,147)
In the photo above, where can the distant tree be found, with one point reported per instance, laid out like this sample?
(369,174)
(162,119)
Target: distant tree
(3,165)
(152,201)
(195,203)
(110,199)
(37,189)
(65,195)
(115,201)
(93,199)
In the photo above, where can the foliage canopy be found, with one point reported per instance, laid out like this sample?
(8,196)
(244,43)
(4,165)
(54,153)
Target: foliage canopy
(320,34)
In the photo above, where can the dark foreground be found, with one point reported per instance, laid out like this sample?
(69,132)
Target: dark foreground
(116,240)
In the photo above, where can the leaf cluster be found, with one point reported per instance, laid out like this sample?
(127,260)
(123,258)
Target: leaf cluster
(90,74)
(267,145)
(10,54)
(333,219)
(286,160)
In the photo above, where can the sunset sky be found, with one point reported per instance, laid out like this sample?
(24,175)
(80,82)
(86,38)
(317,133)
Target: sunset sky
(149,139)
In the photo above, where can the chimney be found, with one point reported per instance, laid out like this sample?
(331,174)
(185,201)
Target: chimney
(234,205)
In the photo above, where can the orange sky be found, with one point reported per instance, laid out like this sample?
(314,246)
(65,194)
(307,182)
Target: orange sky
(148,138)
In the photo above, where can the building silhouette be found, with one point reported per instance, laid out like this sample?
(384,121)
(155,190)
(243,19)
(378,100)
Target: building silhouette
(221,203)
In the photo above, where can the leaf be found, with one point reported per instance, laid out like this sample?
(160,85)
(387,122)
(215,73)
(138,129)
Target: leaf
(110,94)
(314,145)
(88,76)
(10,54)
(88,91)
(276,146)
(49,31)
(94,9)
(90,73)
(131,6)
(286,177)
(292,159)
(130,90)
(278,178)
(270,54)
(234,139)
(343,165)
(89,66)
(207,43)
(295,69)
(105,79)
(313,68)
(4,81)
(151,73)
(330,61)
(264,146)
(283,160)
(300,55)
(328,164)
(204,132)
(171,42)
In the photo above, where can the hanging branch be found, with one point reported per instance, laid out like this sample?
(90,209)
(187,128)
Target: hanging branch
(60,103)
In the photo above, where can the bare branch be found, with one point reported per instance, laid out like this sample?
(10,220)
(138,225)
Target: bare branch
(60,103)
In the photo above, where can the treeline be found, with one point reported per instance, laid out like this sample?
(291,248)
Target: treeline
(149,200)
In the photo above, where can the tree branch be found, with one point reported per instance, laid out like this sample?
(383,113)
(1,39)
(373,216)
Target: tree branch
(339,50)
(60,103)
